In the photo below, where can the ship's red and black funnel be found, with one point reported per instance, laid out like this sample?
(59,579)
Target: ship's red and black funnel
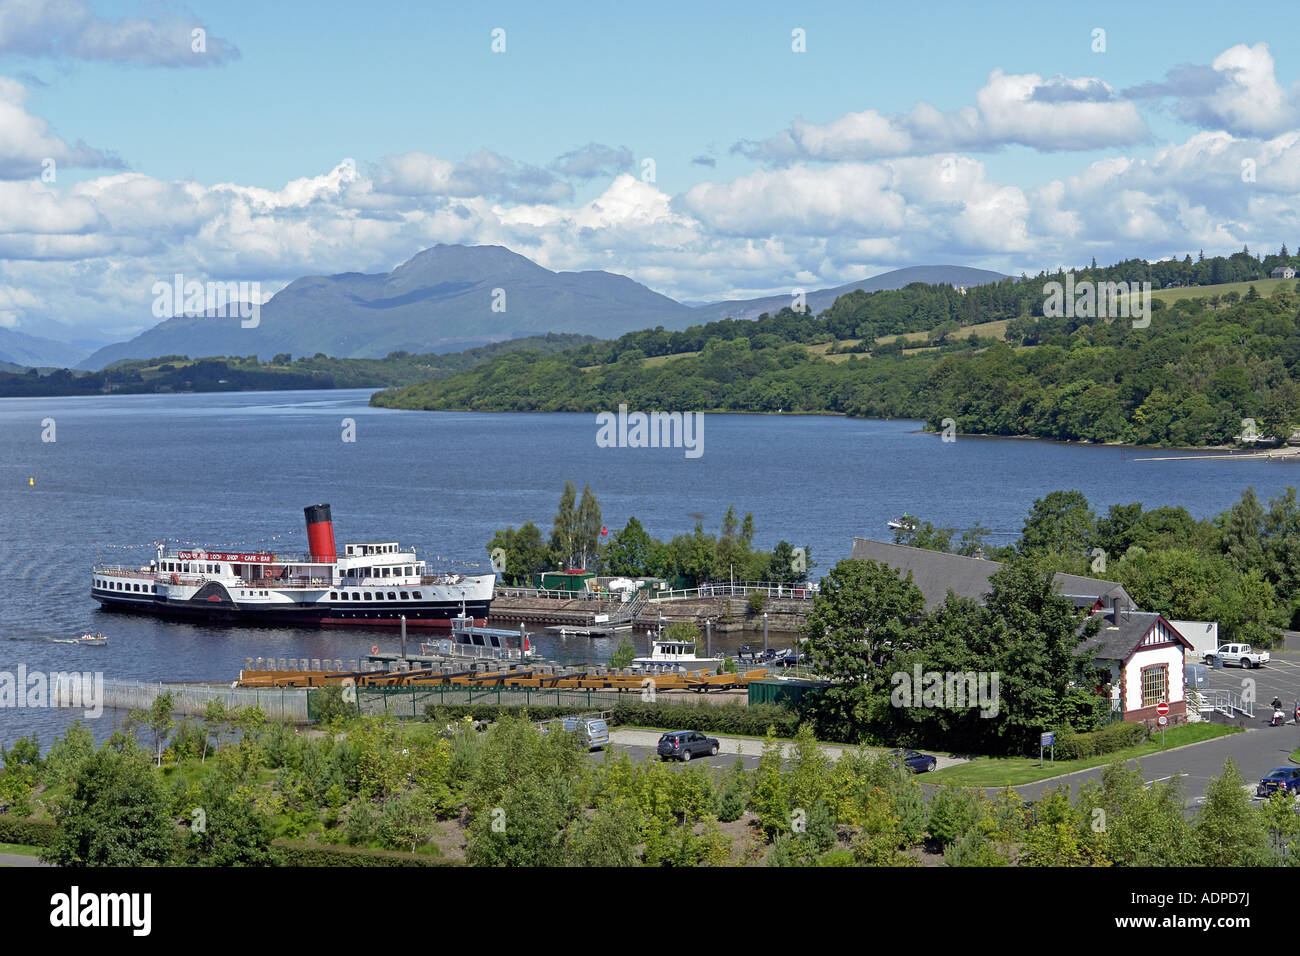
(320,534)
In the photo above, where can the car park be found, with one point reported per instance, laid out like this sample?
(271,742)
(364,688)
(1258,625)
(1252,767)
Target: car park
(593,730)
(685,744)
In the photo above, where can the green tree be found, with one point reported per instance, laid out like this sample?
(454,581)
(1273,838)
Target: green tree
(631,551)
(770,797)
(863,611)
(67,754)
(1228,830)
(1062,522)
(1031,638)
(623,654)
(215,720)
(525,554)
(1060,836)
(230,830)
(1140,825)
(608,837)
(114,814)
(588,528)
(565,536)
(524,829)
(160,722)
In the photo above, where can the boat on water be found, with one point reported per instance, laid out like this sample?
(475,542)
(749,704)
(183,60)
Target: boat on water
(86,640)
(666,654)
(470,640)
(904,522)
(370,584)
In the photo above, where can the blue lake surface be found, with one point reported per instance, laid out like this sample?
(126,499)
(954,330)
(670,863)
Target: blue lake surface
(236,469)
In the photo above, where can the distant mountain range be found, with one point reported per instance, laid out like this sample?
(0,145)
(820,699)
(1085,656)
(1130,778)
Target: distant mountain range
(450,298)
(20,349)
(823,298)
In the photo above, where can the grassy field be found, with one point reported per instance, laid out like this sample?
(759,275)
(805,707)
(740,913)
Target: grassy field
(989,330)
(19,849)
(1014,771)
(1264,287)
(655,360)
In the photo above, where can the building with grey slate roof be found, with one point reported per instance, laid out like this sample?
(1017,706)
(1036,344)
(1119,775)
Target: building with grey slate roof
(936,573)
(1143,653)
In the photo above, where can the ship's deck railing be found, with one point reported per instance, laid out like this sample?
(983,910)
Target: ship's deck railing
(121,571)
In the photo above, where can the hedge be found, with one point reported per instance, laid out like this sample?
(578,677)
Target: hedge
(1117,736)
(299,853)
(26,830)
(750,720)
(493,711)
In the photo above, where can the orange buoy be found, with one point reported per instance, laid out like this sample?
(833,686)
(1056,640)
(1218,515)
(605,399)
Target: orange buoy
(374,648)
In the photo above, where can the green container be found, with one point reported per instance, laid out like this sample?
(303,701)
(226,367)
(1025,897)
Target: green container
(574,581)
(795,694)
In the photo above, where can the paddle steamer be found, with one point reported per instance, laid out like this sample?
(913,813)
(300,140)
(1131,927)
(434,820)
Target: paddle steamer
(370,584)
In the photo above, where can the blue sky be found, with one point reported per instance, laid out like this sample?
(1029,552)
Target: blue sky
(772,168)
(316,82)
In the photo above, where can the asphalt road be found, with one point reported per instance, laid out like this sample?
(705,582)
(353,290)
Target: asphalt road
(1255,752)
(722,762)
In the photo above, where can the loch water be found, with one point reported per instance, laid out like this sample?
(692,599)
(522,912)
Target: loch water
(236,469)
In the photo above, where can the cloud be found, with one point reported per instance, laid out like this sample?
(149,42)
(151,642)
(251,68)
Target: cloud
(1060,113)
(1237,93)
(70,29)
(708,161)
(95,248)
(593,160)
(27,145)
(484,173)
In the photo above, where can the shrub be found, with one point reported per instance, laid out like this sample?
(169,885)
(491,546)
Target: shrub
(757,601)
(730,718)
(1117,736)
(326,704)
(296,853)
(623,654)
(725,719)
(954,812)
(26,831)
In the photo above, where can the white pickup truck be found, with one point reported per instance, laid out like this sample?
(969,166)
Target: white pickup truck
(1240,654)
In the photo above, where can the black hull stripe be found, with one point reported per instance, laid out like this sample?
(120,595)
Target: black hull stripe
(435,615)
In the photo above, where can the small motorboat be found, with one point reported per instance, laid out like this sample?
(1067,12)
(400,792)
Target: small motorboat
(904,522)
(92,640)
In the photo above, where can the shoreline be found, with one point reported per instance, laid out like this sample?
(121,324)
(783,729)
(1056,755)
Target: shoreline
(1195,452)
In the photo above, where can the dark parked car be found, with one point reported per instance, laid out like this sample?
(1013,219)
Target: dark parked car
(685,744)
(1279,778)
(915,761)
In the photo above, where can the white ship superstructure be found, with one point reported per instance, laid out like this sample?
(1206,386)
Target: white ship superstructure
(371,584)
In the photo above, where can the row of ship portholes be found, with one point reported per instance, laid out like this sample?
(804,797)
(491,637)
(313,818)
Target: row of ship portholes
(377,596)
(125,586)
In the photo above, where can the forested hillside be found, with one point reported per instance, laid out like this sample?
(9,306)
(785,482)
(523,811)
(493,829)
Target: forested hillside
(1201,366)
(179,373)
